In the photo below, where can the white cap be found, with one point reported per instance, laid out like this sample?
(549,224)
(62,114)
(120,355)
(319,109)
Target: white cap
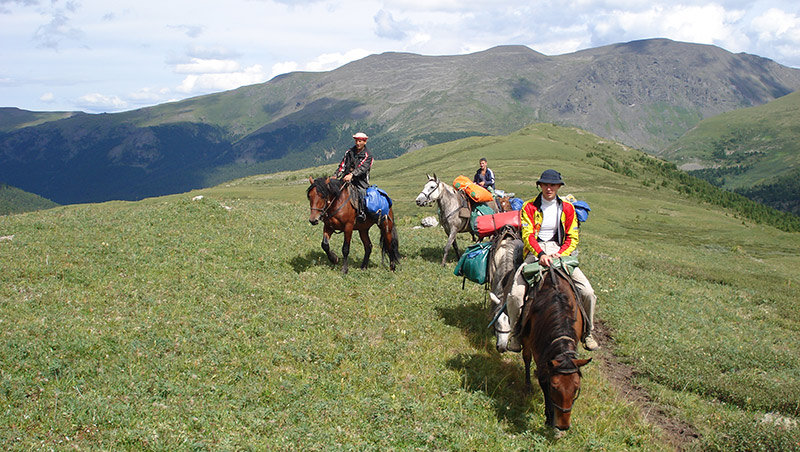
(360,136)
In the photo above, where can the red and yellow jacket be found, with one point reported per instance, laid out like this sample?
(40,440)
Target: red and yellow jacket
(567,235)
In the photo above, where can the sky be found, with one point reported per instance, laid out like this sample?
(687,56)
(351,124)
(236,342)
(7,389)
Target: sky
(105,56)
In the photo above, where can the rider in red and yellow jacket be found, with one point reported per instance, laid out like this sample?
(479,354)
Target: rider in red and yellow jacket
(567,234)
(549,231)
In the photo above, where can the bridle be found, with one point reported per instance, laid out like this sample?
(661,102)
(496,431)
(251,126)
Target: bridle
(323,213)
(428,197)
(569,354)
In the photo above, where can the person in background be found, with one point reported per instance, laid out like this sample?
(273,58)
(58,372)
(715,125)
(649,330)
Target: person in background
(355,168)
(484,176)
(549,231)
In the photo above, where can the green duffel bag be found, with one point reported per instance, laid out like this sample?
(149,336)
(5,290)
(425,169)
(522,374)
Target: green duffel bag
(532,271)
(480,209)
(474,263)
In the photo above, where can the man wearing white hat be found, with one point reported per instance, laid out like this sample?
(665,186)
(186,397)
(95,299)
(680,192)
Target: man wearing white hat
(355,167)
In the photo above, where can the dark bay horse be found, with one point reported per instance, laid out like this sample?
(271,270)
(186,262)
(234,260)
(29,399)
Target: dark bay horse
(330,201)
(552,324)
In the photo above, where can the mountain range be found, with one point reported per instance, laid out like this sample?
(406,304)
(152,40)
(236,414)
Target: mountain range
(645,94)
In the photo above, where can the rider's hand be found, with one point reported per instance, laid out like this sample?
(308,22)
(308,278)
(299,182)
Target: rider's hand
(547,259)
(348,177)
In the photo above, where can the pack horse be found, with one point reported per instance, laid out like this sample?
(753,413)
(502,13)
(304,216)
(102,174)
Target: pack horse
(450,203)
(333,202)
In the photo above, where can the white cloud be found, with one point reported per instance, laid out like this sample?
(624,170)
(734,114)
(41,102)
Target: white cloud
(775,24)
(212,82)
(283,68)
(47,97)
(99,102)
(328,61)
(150,96)
(388,28)
(200,66)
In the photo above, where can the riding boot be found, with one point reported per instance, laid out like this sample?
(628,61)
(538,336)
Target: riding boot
(361,216)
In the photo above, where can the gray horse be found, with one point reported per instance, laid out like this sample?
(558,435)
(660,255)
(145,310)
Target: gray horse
(452,209)
(506,257)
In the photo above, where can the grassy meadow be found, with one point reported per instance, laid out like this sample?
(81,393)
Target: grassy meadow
(218,324)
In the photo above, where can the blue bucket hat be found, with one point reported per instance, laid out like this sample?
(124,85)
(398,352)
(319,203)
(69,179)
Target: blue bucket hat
(550,177)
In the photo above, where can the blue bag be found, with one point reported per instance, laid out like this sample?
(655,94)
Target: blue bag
(516,203)
(581,210)
(377,201)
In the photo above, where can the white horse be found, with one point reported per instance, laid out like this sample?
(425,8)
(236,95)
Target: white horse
(450,203)
(506,257)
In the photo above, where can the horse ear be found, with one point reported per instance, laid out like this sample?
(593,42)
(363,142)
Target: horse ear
(581,362)
(310,180)
(434,177)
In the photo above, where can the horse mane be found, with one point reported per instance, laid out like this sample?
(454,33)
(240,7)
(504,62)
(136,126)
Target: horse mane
(328,188)
(554,319)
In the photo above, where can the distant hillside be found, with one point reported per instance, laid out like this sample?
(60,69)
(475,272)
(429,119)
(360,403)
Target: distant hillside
(15,118)
(184,323)
(753,151)
(645,94)
(14,200)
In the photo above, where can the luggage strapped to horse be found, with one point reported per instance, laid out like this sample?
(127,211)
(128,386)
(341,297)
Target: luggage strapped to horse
(377,202)
(534,274)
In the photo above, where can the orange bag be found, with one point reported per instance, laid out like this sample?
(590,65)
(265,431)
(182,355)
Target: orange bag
(473,190)
(489,224)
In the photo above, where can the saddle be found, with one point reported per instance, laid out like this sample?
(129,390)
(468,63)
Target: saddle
(534,274)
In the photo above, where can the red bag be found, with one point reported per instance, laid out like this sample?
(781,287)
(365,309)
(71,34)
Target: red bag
(489,224)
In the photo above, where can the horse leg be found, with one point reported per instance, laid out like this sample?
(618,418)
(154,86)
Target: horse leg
(549,411)
(526,358)
(451,240)
(364,234)
(389,240)
(348,234)
(326,246)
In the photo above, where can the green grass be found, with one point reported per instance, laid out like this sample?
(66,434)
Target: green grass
(172,324)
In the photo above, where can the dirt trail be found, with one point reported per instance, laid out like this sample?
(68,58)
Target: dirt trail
(676,432)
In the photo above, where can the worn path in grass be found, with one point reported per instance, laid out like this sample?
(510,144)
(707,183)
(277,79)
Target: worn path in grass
(676,432)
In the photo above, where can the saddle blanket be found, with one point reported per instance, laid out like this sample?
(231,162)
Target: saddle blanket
(531,272)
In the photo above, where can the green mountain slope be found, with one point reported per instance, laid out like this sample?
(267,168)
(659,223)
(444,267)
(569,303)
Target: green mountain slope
(217,323)
(14,200)
(645,94)
(754,151)
(15,118)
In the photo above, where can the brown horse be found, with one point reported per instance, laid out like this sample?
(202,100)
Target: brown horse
(330,201)
(552,325)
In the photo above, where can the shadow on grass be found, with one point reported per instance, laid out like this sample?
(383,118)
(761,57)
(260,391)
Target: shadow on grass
(433,254)
(311,259)
(500,379)
(317,258)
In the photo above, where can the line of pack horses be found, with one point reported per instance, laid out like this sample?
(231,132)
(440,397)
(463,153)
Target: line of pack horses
(551,324)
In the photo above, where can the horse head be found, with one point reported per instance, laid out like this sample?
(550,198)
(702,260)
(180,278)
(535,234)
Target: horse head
(318,194)
(430,191)
(564,389)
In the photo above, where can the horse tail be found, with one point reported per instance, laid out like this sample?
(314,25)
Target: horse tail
(390,244)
